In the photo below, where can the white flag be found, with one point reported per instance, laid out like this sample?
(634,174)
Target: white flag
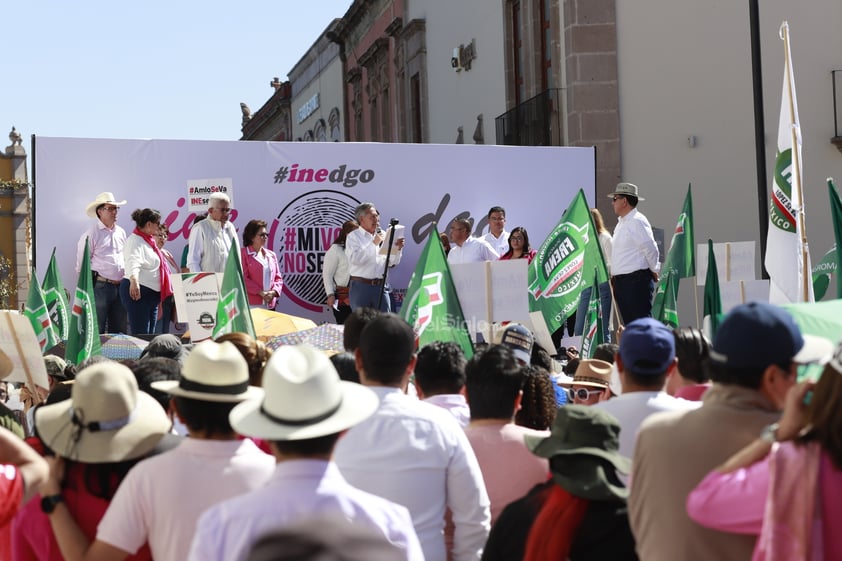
(787,256)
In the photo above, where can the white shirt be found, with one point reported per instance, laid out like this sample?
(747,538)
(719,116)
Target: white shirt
(453,403)
(364,257)
(501,244)
(416,455)
(142,262)
(335,269)
(634,245)
(632,408)
(106,250)
(299,489)
(473,250)
(209,244)
(161,498)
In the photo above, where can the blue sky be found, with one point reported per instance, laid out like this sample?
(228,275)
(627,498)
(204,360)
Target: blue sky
(152,69)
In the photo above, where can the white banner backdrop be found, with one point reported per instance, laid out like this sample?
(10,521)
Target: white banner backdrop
(304,191)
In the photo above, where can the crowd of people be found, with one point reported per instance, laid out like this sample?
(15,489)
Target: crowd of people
(662,446)
(211,452)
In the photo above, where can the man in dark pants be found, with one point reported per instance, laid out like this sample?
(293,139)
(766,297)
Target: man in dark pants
(106,239)
(634,258)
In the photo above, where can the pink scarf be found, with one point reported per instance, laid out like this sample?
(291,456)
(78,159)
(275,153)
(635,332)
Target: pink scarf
(166,283)
(792,518)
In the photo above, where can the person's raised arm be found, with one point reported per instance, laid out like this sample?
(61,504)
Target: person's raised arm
(32,467)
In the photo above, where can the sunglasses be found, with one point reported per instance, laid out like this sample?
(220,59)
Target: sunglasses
(263,235)
(111,208)
(615,199)
(582,393)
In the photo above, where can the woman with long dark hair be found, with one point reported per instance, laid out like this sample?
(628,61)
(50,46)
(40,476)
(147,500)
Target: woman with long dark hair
(146,283)
(519,247)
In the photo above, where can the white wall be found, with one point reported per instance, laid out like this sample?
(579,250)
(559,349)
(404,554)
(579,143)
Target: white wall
(328,84)
(685,69)
(456,98)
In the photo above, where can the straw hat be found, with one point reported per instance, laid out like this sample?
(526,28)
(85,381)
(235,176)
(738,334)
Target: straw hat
(105,198)
(629,189)
(304,399)
(107,419)
(591,372)
(584,452)
(212,372)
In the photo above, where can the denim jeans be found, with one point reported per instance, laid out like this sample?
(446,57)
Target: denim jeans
(604,302)
(364,295)
(143,312)
(110,312)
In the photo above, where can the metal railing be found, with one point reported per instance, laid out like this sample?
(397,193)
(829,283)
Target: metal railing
(535,122)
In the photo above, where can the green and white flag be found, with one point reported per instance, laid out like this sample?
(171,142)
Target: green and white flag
(83,339)
(713,300)
(56,299)
(593,333)
(665,309)
(557,275)
(836,215)
(232,312)
(431,305)
(787,259)
(681,257)
(39,317)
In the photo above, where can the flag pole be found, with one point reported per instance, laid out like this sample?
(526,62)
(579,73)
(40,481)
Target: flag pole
(796,160)
(696,300)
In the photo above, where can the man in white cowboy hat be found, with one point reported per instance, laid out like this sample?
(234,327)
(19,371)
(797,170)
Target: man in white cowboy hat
(161,498)
(411,452)
(634,258)
(106,239)
(306,409)
(210,240)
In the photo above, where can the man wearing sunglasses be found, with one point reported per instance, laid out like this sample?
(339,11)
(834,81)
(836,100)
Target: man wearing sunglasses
(210,240)
(591,382)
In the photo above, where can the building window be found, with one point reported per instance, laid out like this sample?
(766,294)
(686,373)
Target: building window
(415,107)
(320,131)
(518,52)
(333,124)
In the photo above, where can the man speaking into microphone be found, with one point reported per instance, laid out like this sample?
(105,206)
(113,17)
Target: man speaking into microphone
(367,263)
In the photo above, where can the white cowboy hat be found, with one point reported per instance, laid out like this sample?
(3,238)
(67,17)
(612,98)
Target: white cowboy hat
(304,399)
(629,189)
(212,372)
(107,419)
(105,198)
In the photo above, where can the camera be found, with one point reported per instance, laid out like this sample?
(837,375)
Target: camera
(454,60)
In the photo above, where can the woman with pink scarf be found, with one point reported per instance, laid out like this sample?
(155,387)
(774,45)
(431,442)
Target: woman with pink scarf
(786,486)
(147,279)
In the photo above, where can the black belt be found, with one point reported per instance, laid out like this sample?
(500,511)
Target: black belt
(372,282)
(105,280)
(640,273)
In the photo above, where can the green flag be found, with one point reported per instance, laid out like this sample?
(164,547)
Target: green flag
(681,257)
(83,339)
(431,305)
(56,299)
(232,312)
(713,301)
(836,215)
(557,274)
(823,270)
(665,309)
(593,333)
(39,317)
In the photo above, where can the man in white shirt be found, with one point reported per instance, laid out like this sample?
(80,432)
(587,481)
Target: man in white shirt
(411,452)
(210,239)
(305,411)
(646,357)
(634,257)
(466,248)
(161,498)
(497,236)
(106,239)
(366,263)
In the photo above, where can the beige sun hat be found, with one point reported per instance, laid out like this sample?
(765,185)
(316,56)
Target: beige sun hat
(104,198)
(591,372)
(304,399)
(107,418)
(212,372)
(629,189)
